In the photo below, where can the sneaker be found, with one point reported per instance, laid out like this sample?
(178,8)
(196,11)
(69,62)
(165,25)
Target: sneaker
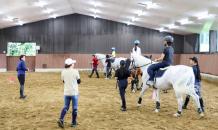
(112,76)
(184,107)
(106,78)
(23,96)
(165,91)
(123,109)
(74,124)
(61,123)
(151,83)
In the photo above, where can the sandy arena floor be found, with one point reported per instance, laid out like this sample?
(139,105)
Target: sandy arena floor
(98,108)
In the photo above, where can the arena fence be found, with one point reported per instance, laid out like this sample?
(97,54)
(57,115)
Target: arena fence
(51,62)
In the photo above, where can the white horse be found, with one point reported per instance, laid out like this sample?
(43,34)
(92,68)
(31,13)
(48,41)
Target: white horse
(180,78)
(114,65)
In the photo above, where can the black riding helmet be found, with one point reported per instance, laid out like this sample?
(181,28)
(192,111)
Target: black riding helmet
(169,38)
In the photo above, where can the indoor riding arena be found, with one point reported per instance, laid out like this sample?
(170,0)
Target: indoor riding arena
(44,43)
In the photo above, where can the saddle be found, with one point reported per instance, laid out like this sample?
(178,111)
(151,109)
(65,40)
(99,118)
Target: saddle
(158,73)
(112,59)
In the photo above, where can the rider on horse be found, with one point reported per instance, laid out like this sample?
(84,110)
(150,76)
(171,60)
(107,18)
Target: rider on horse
(113,54)
(136,49)
(166,58)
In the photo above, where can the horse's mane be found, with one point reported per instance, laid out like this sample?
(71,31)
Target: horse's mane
(141,59)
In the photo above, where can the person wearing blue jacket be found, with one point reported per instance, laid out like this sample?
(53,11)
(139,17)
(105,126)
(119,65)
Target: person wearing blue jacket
(21,68)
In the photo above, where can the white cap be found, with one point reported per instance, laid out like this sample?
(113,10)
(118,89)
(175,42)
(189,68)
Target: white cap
(69,61)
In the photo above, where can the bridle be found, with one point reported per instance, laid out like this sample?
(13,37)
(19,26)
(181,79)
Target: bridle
(139,66)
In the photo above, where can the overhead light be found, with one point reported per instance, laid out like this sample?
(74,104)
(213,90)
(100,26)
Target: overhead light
(203,16)
(9,19)
(95,11)
(94,16)
(172,26)
(95,4)
(40,3)
(133,19)
(20,23)
(54,16)
(128,23)
(185,22)
(48,11)
(141,13)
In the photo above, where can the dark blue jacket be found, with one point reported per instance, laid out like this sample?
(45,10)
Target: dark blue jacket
(21,67)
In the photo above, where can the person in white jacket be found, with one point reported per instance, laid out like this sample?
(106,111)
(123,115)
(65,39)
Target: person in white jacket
(136,49)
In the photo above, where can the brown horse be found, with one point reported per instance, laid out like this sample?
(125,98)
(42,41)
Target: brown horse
(135,73)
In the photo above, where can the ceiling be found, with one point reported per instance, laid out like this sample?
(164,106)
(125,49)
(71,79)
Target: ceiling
(176,16)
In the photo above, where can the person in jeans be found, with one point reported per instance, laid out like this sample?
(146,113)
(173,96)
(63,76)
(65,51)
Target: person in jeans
(197,73)
(95,64)
(21,68)
(122,74)
(166,58)
(71,80)
(108,64)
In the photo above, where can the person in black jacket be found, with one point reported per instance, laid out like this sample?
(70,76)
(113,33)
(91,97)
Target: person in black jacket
(122,74)
(197,73)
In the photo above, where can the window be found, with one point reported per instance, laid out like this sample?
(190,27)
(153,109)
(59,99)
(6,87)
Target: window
(204,42)
(21,48)
(217,42)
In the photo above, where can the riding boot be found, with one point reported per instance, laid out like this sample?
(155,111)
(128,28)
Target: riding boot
(91,73)
(97,75)
(21,92)
(124,105)
(186,102)
(202,104)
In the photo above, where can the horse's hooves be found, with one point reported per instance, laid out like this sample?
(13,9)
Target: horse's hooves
(201,115)
(177,115)
(156,111)
(138,105)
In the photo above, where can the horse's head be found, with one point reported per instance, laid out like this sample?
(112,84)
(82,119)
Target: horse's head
(100,56)
(139,61)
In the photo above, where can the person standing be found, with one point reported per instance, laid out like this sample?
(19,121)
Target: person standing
(122,74)
(197,73)
(166,59)
(21,68)
(108,65)
(136,49)
(95,64)
(71,80)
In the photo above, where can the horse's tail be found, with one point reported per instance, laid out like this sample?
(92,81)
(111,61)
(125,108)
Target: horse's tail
(184,83)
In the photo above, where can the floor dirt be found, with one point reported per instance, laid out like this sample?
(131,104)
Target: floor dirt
(99,104)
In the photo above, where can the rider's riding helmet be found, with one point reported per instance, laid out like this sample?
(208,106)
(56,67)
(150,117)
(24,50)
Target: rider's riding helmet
(169,39)
(113,48)
(137,42)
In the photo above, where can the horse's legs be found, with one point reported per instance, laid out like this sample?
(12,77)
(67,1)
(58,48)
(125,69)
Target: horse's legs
(145,87)
(157,97)
(180,101)
(196,98)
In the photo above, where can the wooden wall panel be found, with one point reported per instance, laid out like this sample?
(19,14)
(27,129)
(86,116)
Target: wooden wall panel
(56,61)
(207,62)
(12,62)
(3,63)
(80,34)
